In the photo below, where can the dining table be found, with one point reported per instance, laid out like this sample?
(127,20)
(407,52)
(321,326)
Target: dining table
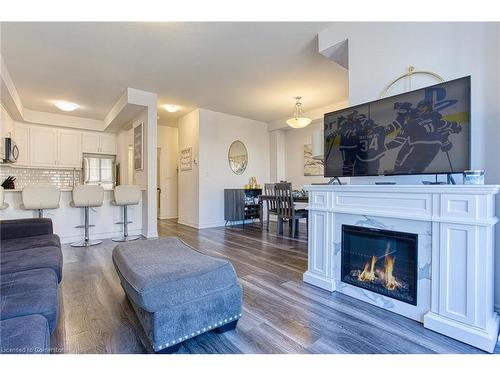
(303,199)
(300,202)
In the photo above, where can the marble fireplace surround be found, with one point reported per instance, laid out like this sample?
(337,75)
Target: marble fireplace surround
(454,224)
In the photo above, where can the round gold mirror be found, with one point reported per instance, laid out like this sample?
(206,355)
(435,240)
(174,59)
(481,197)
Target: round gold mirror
(238,157)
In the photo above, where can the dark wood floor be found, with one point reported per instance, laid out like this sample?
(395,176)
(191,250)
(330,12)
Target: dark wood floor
(281,313)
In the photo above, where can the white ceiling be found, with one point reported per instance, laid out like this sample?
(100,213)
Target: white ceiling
(247,69)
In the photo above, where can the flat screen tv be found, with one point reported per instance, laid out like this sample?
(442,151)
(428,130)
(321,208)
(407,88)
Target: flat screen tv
(425,131)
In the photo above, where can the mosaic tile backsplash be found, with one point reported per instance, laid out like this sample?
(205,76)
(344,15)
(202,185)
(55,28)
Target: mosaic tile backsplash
(30,176)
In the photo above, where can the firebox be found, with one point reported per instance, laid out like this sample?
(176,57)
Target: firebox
(382,261)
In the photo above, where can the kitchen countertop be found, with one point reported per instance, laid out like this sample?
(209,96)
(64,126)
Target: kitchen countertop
(63,189)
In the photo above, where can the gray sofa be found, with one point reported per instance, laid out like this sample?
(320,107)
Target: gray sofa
(30,273)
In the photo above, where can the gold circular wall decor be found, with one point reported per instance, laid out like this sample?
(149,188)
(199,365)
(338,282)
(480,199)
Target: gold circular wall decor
(409,73)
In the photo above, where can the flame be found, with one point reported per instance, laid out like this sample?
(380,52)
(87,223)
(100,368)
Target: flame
(390,280)
(368,273)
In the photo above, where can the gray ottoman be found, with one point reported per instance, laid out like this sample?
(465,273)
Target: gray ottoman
(176,291)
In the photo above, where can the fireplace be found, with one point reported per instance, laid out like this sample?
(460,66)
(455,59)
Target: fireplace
(381,261)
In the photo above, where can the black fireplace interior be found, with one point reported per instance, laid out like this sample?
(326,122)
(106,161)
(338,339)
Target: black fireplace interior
(382,261)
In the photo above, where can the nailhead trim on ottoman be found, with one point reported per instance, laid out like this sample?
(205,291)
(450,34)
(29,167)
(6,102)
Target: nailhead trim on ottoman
(198,332)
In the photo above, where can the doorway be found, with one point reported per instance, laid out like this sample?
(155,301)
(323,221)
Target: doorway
(158,181)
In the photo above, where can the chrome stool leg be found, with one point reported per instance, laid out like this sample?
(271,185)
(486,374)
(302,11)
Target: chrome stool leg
(125,237)
(87,242)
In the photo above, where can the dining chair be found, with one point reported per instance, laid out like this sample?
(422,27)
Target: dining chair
(287,210)
(271,202)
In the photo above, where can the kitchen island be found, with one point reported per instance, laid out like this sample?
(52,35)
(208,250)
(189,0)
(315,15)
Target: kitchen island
(66,218)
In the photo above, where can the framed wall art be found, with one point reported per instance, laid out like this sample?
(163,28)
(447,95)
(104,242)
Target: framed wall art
(186,159)
(139,147)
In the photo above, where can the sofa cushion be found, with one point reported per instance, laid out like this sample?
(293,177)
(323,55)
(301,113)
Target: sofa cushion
(17,228)
(162,273)
(39,257)
(23,243)
(30,292)
(25,335)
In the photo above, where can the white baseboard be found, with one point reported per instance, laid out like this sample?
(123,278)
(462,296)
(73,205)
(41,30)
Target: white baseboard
(188,224)
(319,281)
(168,217)
(484,339)
(212,224)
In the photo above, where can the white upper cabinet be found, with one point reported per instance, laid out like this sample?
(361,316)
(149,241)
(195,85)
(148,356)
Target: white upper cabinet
(69,150)
(55,147)
(108,143)
(90,142)
(99,143)
(22,138)
(43,146)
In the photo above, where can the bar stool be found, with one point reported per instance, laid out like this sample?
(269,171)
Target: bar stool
(126,195)
(40,197)
(3,205)
(86,196)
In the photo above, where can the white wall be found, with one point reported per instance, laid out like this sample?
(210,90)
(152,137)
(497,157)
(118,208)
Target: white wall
(6,123)
(459,49)
(277,159)
(145,177)
(64,120)
(188,181)
(217,132)
(140,176)
(295,140)
(492,140)
(124,139)
(292,147)
(168,141)
(378,52)
(201,190)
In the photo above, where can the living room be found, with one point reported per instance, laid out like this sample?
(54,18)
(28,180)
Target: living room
(307,187)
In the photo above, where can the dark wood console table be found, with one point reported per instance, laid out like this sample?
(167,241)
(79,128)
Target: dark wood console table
(242,204)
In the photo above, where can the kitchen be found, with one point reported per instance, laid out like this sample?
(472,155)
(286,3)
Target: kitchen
(50,155)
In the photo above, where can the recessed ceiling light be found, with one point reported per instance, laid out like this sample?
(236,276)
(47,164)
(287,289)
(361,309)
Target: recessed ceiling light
(66,106)
(171,107)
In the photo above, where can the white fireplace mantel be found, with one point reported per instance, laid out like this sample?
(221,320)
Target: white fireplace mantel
(454,224)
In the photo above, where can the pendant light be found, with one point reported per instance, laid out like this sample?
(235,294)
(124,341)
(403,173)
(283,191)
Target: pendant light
(296,121)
